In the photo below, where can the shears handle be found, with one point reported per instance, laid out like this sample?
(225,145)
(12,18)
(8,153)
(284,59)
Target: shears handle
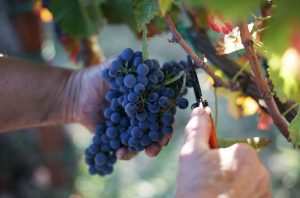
(213,141)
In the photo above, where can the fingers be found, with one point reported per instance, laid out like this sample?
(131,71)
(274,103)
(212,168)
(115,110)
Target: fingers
(244,152)
(198,130)
(154,149)
(151,151)
(124,154)
(165,140)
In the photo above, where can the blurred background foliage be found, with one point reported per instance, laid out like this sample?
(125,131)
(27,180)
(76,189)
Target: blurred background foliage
(48,162)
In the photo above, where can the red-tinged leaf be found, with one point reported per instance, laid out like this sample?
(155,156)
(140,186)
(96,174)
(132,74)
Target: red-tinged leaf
(152,31)
(264,121)
(232,42)
(72,46)
(220,48)
(295,40)
(219,25)
(74,54)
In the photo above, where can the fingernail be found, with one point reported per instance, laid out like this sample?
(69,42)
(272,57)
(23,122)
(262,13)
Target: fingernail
(149,151)
(165,140)
(166,144)
(126,156)
(120,154)
(155,150)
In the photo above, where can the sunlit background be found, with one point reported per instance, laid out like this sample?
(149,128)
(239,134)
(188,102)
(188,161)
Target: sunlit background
(30,168)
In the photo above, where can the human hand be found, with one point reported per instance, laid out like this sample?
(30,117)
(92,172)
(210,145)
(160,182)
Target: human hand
(235,171)
(90,89)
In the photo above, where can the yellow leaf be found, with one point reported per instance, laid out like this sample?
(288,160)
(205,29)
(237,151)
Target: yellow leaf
(164,6)
(284,72)
(249,106)
(46,16)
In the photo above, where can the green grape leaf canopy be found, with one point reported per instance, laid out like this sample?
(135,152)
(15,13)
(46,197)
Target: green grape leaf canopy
(294,130)
(286,83)
(119,12)
(277,83)
(76,18)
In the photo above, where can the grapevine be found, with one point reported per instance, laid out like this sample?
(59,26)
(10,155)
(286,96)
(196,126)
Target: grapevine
(265,79)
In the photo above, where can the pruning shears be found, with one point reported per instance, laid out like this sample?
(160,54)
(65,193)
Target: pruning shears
(213,141)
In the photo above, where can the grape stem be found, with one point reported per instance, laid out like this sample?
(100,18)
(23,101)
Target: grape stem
(216,108)
(177,37)
(264,90)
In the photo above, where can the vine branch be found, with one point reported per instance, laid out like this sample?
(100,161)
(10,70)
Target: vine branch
(260,86)
(263,88)
(244,80)
(176,37)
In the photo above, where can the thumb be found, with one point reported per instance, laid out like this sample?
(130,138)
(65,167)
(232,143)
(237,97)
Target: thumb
(197,130)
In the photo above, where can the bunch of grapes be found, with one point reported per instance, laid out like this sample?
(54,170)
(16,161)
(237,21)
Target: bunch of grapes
(142,103)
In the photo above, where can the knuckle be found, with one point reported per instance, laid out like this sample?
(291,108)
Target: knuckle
(186,153)
(197,123)
(208,110)
(190,127)
(182,157)
(246,153)
(244,148)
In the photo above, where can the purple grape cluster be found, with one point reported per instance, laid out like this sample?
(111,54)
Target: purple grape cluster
(142,104)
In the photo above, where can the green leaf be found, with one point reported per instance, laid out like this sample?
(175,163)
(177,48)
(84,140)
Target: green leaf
(286,82)
(145,43)
(277,82)
(276,36)
(279,28)
(257,143)
(228,8)
(120,12)
(111,8)
(164,6)
(294,129)
(144,11)
(76,19)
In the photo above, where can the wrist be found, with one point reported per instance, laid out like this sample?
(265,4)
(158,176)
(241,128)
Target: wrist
(68,97)
(84,96)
